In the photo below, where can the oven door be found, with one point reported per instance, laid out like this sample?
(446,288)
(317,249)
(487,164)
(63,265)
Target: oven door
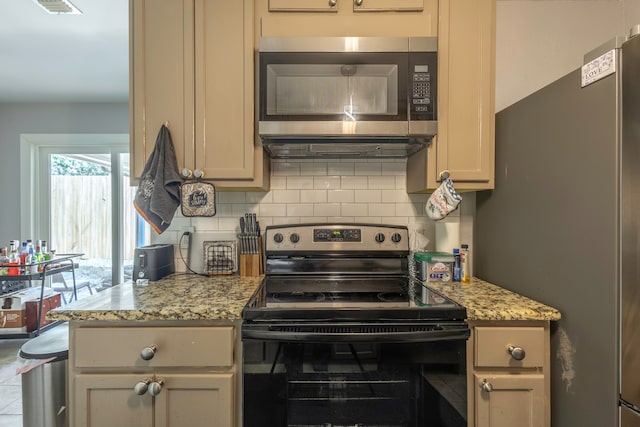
(361,382)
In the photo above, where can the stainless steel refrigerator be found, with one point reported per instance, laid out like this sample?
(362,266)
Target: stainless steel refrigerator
(563,226)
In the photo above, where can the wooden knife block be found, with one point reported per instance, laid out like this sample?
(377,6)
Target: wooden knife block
(251,265)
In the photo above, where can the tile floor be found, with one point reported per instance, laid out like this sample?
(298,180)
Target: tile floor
(10,384)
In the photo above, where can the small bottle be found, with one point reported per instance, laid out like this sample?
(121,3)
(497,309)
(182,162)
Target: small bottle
(456,265)
(39,258)
(31,266)
(45,251)
(4,256)
(23,258)
(464,263)
(14,258)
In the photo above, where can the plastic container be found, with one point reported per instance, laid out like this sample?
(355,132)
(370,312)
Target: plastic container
(434,266)
(464,263)
(457,268)
(44,385)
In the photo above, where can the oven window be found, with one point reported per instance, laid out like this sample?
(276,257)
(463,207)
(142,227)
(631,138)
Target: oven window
(341,384)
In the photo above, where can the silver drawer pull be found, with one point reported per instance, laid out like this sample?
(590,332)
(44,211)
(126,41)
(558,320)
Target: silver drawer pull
(155,387)
(517,353)
(147,353)
(141,387)
(486,386)
(332,3)
(358,3)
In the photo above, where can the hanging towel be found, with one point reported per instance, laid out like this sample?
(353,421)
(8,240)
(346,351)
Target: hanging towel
(158,194)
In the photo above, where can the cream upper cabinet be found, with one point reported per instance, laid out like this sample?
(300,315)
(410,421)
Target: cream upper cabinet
(303,6)
(465,144)
(387,5)
(343,18)
(192,66)
(152,376)
(508,374)
(357,5)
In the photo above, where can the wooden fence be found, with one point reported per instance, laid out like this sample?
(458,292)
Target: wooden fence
(81,216)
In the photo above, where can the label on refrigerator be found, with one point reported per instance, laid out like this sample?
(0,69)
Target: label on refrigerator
(599,68)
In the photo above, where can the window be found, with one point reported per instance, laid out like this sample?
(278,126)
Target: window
(81,202)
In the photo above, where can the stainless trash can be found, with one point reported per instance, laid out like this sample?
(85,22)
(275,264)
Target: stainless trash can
(44,387)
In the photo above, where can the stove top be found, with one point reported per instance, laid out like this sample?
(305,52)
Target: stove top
(352,298)
(343,272)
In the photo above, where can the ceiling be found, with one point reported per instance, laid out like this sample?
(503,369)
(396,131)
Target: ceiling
(64,58)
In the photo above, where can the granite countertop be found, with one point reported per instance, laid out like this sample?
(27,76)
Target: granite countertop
(176,297)
(486,301)
(191,297)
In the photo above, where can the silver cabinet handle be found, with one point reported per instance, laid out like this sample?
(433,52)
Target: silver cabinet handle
(155,387)
(141,387)
(486,386)
(358,2)
(186,173)
(147,353)
(333,3)
(517,353)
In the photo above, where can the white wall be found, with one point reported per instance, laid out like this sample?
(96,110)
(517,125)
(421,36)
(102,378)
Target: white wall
(45,118)
(538,41)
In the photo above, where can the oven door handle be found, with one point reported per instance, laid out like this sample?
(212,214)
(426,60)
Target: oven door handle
(389,337)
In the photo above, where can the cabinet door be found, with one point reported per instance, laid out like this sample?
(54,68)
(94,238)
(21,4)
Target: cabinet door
(465,143)
(161,78)
(108,400)
(514,400)
(195,400)
(298,18)
(304,5)
(224,88)
(466,58)
(387,5)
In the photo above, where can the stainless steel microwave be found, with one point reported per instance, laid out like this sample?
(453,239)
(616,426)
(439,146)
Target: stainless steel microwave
(340,96)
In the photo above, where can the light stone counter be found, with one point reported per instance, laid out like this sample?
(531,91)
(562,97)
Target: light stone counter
(191,297)
(176,297)
(486,301)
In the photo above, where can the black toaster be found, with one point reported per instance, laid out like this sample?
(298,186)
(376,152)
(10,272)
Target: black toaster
(153,262)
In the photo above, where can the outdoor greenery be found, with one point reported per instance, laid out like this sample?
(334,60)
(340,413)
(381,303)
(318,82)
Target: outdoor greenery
(65,165)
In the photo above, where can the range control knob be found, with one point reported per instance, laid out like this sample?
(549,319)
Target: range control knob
(379,237)
(294,238)
(396,237)
(278,238)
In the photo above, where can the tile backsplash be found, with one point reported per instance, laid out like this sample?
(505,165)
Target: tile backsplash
(365,191)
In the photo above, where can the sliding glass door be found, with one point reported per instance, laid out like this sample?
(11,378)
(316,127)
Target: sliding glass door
(87,209)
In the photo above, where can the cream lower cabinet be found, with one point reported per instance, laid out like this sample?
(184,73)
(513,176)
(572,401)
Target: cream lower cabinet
(192,67)
(465,144)
(183,400)
(508,374)
(152,376)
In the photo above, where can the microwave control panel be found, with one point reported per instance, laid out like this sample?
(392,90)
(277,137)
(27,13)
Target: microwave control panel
(422,87)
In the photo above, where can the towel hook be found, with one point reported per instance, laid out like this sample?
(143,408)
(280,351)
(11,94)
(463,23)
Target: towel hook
(444,175)
(166,123)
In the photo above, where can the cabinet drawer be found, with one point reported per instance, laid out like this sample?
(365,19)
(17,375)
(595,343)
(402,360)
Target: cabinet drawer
(492,346)
(121,347)
(303,6)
